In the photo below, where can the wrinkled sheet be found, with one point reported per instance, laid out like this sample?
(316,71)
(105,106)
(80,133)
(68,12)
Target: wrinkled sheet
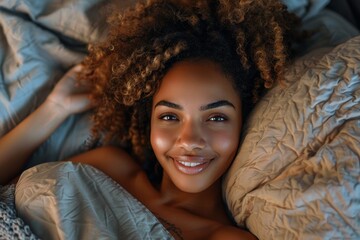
(65,200)
(297,173)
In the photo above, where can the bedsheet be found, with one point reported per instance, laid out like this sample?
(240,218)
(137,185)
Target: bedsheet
(64,200)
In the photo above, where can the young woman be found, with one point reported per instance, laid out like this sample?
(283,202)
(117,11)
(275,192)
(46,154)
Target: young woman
(171,84)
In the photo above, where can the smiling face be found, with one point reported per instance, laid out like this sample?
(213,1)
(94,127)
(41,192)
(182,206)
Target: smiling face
(195,124)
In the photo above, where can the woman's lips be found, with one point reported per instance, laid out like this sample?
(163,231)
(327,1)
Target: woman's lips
(191,165)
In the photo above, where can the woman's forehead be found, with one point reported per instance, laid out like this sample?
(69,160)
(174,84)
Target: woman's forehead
(196,79)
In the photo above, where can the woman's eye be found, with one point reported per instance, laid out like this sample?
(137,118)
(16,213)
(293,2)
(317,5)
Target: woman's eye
(168,117)
(217,119)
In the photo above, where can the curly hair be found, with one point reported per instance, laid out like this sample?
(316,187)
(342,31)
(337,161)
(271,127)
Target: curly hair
(249,39)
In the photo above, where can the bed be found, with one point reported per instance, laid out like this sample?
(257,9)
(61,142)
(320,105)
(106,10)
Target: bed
(297,172)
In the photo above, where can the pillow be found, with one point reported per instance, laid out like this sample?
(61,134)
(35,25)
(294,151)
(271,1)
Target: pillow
(296,175)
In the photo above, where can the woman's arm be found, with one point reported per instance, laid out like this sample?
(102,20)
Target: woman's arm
(16,147)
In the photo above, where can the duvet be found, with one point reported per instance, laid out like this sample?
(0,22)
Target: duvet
(64,200)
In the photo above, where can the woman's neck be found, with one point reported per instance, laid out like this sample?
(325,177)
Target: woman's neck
(208,203)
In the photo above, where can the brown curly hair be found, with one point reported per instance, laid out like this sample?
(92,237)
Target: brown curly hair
(249,39)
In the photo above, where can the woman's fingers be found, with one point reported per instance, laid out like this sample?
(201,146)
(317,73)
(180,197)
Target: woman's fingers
(72,84)
(71,96)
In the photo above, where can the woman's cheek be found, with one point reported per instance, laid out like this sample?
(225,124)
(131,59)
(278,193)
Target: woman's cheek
(161,140)
(226,143)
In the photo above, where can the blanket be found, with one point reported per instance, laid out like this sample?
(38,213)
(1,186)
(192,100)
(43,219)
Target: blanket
(64,200)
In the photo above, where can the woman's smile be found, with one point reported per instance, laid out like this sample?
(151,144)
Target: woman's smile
(191,165)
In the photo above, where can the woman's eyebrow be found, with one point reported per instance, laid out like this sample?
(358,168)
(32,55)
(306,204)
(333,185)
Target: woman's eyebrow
(168,104)
(216,104)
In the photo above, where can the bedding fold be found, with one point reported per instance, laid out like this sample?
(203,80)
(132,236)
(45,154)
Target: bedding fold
(66,200)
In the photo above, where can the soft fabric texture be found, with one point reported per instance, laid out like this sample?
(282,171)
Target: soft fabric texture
(305,9)
(297,173)
(350,9)
(328,30)
(11,226)
(66,200)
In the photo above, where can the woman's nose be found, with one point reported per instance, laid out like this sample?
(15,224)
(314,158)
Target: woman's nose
(191,136)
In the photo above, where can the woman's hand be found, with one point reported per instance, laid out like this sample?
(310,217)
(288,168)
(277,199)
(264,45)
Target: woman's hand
(68,96)
(17,145)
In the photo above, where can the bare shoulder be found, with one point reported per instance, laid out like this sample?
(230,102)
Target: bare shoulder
(232,233)
(122,168)
(113,161)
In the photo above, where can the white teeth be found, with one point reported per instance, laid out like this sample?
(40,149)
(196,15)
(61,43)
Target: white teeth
(190,164)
